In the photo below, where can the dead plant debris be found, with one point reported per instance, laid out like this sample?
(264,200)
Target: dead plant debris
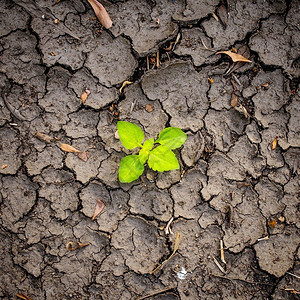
(149,108)
(125,83)
(72,246)
(222,13)
(84,155)
(44,137)
(176,246)
(274,143)
(235,56)
(101,13)
(69,148)
(24,297)
(98,209)
(4,166)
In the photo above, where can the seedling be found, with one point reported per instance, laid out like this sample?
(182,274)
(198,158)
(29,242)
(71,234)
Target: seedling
(160,157)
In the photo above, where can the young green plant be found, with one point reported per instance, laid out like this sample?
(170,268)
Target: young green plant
(160,157)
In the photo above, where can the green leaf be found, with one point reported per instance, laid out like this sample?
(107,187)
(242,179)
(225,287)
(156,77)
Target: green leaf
(143,155)
(131,135)
(162,159)
(130,168)
(148,145)
(171,137)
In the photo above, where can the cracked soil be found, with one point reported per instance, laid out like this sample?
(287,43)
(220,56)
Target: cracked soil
(240,166)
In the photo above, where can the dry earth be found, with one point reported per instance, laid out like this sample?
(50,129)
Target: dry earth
(232,186)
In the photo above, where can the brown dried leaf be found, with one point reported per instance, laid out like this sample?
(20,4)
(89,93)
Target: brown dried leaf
(125,83)
(274,143)
(44,137)
(235,56)
(149,107)
(244,51)
(223,15)
(71,246)
(98,209)
(234,100)
(83,96)
(84,155)
(69,148)
(24,297)
(101,13)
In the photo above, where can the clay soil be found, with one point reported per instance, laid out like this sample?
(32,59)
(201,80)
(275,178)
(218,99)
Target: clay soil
(240,166)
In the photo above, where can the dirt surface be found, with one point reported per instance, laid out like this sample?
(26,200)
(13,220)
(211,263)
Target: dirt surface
(236,184)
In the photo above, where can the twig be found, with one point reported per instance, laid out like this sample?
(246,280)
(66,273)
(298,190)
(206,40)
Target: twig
(293,275)
(222,252)
(156,293)
(219,266)
(14,111)
(132,106)
(168,229)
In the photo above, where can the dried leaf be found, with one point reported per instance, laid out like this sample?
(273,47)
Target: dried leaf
(125,83)
(84,155)
(101,13)
(98,209)
(83,96)
(149,108)
(4,166)
(44,137)
(234,100)
(71,246)
(210,80)
(272,223)
(176,246)
(274,143)
(24,297)
(245,52)
(69,148)
(223,15)
(235,56)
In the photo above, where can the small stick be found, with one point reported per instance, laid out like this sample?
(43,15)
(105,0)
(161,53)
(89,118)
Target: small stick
(263,239)
(156,293)
(168,229)
(222,252)
(14,111)
(176,41)
(236,80)
(203,44)
(132,106)
(219,266)
(293,275)
(157,59)
(148,64)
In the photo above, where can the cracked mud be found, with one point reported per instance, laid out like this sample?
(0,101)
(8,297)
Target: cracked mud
(235,184)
